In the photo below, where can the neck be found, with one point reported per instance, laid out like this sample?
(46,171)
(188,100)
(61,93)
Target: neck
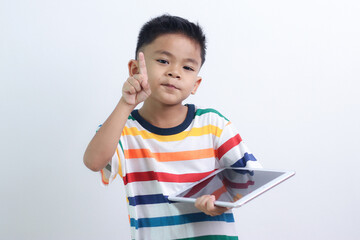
(163,116)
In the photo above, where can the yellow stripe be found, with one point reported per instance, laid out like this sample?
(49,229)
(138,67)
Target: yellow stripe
(194,132)
(119,169)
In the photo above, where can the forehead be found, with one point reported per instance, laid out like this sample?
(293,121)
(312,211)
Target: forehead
(179,45)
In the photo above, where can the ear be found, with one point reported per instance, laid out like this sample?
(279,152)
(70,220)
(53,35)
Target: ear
(133,66)
(197,84)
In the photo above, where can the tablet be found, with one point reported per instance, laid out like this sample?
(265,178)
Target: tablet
(233,187)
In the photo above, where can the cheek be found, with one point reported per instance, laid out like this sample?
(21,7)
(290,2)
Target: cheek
(153,74)
(151,80)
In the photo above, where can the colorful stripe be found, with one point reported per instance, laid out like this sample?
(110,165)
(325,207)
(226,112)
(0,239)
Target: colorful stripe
(219,192)
(119,163)
(200,112)
(229,144)
(243,161)
(164,177)
(104,180)
(131,118)
(148,199)
(198,187)
(179,219)
(170,156)
(157,161)
(194,132)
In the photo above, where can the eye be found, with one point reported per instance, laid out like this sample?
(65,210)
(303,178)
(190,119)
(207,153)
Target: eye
(188,68)
(162,61)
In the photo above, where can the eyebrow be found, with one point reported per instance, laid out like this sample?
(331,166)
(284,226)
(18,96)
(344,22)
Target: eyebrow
(171,55)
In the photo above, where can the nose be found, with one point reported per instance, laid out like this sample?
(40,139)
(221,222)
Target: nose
(173,73)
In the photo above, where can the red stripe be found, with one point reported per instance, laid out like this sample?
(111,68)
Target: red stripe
(164,177)
(198,187)
(229,144)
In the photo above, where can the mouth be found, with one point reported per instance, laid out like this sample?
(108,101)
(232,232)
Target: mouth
(169,86)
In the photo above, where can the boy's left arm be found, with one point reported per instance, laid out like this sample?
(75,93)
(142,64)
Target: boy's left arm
(232,152)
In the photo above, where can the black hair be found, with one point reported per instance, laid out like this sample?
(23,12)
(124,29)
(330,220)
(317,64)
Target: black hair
(166,24)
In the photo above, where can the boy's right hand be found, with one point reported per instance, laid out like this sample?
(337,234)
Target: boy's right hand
(136,88)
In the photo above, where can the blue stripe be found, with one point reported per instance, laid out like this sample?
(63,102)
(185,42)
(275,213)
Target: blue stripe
(178,220)
(148,199)
(242,162)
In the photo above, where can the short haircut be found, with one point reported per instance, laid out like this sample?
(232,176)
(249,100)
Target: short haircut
(167,24)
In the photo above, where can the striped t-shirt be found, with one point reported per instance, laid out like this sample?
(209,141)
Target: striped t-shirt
(155,162)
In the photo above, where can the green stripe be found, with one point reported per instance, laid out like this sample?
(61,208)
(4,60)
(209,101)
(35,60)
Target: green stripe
(200,112)
(129,118)
(121,146)
(212,237)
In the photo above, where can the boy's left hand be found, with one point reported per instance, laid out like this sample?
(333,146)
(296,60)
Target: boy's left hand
(206,204)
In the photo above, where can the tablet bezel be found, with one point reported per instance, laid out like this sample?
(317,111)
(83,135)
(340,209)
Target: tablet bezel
(264,188)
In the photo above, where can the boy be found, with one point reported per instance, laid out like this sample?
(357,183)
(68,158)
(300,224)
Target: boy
(166,145)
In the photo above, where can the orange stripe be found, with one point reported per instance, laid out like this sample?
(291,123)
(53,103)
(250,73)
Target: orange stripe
(103,179)
(170,156)
(220,191)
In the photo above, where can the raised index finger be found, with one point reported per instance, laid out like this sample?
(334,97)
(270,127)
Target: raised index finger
(142,64)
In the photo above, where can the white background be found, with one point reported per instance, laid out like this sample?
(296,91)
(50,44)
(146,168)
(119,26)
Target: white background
(285,72)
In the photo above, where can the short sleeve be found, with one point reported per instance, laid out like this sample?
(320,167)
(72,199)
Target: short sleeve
(232,151)
(114,167)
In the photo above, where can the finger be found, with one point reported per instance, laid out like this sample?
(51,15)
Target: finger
(146,88)
(211,208)
(200,202)
(197,202)
(135,83)
(142,64)
(128,88)
(205,204)
(145,85)
(210,204)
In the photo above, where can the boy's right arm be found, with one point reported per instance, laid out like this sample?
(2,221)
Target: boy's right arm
(103,145)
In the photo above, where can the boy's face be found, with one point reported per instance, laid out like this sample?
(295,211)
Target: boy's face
(173,62)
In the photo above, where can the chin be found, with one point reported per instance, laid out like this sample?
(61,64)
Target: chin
(171,101)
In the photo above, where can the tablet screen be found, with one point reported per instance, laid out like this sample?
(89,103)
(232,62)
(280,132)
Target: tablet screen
(230,185)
